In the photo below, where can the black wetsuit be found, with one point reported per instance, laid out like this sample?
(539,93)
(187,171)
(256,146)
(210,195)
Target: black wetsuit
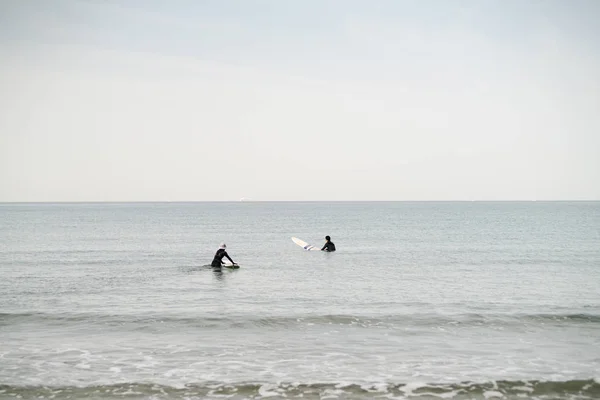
(218,260)
(329,246)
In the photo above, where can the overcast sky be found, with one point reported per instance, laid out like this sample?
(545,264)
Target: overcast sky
(183,100)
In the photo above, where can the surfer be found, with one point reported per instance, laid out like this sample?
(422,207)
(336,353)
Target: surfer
(218,260)
(329,246)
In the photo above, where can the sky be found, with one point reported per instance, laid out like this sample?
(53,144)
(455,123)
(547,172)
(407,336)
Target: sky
(271,100)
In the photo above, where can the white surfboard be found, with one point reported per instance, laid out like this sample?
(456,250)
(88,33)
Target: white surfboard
(304,245)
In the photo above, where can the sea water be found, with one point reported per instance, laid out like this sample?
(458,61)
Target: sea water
(421,300)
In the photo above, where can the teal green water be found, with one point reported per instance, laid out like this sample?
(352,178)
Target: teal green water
(428,300)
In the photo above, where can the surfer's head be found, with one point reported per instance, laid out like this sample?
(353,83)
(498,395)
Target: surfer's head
(327,238)
(223,246)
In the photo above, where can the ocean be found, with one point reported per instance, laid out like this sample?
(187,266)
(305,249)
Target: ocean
(427,300)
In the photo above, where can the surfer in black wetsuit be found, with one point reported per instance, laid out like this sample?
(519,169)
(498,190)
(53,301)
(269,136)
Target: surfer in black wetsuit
(329,246)
(218,260)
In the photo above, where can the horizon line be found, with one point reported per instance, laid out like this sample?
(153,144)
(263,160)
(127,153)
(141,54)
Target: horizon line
(296,201)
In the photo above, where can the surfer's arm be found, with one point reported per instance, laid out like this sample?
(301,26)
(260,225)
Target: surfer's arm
(229,258)
(324,247)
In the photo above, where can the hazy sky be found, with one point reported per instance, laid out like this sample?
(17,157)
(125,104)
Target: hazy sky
(130,100)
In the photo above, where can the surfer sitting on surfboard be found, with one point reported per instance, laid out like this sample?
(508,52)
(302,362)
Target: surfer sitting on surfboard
(329,246)
(218,260)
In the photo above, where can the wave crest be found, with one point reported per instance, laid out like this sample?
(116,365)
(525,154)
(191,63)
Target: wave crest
(572,389)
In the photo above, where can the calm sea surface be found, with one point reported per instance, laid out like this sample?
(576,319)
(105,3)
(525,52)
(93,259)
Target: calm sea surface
(421,300)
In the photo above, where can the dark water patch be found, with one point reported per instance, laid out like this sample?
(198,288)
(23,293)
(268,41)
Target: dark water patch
(295,321)
(571,389)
